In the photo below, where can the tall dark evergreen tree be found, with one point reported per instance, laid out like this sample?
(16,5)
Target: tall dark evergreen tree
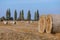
(22,15)
(37,15)
(8,14)
(15,15)
(29,16)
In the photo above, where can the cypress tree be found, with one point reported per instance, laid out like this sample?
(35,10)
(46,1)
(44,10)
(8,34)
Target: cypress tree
(8,14)
(37,15)
(29,16)
(22,15)
(15,15)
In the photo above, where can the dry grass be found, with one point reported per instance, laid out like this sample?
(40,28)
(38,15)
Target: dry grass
(8,34)
(21,26)
(24,31)
(12,35)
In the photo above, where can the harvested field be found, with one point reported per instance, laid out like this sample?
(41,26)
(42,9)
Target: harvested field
(6,34)
(24,31)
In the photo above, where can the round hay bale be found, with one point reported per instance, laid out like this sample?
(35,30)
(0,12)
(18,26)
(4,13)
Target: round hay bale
(14,22)
(48,23)
(42,24)
(56,23)
(31,21)
(5,22)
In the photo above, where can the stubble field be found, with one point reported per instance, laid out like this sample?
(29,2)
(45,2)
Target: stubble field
(24,31)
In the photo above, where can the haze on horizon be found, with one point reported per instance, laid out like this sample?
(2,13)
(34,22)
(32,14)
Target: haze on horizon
(44,6)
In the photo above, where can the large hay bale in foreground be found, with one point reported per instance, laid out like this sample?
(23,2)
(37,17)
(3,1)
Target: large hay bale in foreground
(42,24)
(56,23)
(48,23)
(52,26)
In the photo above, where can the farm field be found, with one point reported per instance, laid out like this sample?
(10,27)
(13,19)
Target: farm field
(24,31)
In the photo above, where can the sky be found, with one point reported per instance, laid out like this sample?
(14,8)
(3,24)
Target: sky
(44,6)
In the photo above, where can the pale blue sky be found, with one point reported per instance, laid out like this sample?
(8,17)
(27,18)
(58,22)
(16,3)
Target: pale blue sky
(44,6)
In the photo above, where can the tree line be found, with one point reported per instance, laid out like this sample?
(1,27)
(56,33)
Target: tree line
(21,16)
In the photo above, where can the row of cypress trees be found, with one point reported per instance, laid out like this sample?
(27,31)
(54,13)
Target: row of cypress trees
(21,15)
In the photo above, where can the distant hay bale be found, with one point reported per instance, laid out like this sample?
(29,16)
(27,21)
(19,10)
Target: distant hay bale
(5,22)
(11,22)
(21,21)
(14,22)
(31,21)
(42,24)
(48,23)
(28,22)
